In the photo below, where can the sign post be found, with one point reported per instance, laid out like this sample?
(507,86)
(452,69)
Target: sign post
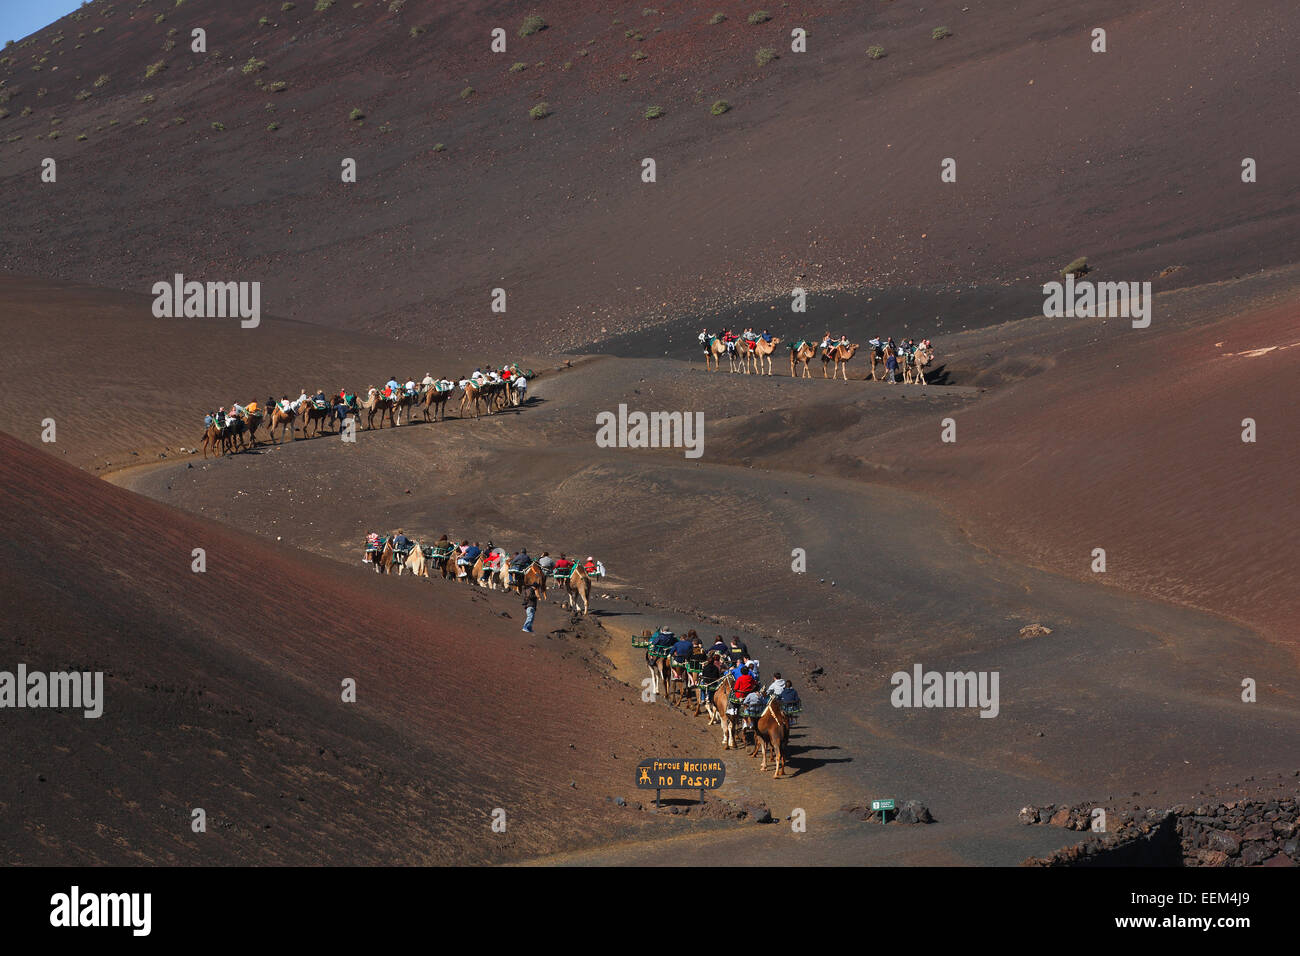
(680,774)
(884,806)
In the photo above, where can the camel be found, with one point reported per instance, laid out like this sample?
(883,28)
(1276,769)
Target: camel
(252,421)
(283,417)
(232,436)
(383,558)
(402,402)
(802,352)
(472,394)
(439,557)
(376,403)
(212,436)
(577,587)
(915,372)
(311,415)
(762,353)
(772,730)
(877,355)
(712,349)
(658,669)
(436,401)
(745,354)
(490,574)
(534,577)
(841,354)
(722,703)
(416,562)
(736,356)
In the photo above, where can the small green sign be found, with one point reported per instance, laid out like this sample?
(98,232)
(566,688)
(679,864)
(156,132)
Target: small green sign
(884,806)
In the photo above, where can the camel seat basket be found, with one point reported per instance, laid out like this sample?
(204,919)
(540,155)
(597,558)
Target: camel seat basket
(442,553)
(563,574)
(694,667)
(659,652)
(792,710)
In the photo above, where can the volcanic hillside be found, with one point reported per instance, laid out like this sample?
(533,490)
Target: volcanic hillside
(822,171)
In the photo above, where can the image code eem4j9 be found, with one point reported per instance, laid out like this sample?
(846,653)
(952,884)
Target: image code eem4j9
(569,433)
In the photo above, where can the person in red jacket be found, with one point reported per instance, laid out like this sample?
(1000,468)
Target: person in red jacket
(745,684)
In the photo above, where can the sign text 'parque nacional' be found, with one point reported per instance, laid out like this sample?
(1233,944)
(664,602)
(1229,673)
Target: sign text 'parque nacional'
(680,774)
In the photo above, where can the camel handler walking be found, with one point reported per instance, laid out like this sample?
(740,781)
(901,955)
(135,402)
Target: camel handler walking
(530,603)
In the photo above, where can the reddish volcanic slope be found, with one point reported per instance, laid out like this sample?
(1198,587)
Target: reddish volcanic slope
(223,692)
(825,172)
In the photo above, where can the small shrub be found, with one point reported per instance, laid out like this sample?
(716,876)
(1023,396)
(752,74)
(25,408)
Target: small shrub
(54,134)
(219,126)
(624,77)
(938,33)
(82,138)
(629,33)
(41,92)
(416,31)
(540,111)
(168,45)
(649,12)
(82,95)
(97,30)
(178,120)
(159,19)
(112,122)
(276,86)
(286,7)
(272,127)
(566,65)
(719,107)
(141,121)
(439,147)
(263,21)
(356,115)
(56,121)
(467,92)
(518,67)
(875,52)
(100,80)
(147,98)
(765,56)
(759,16)
(154,69)
(253,65)
(323,5)
(26,111)
(532,24)
(1077,268)
(15,138)
(638,55)
(396,6)
(654,112)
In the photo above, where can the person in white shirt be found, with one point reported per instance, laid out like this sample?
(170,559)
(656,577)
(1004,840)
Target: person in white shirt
(778,685)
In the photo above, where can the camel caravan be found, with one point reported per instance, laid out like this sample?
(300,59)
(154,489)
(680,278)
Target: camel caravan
(749,353)
(235,429)
(723,682)
(491,567)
